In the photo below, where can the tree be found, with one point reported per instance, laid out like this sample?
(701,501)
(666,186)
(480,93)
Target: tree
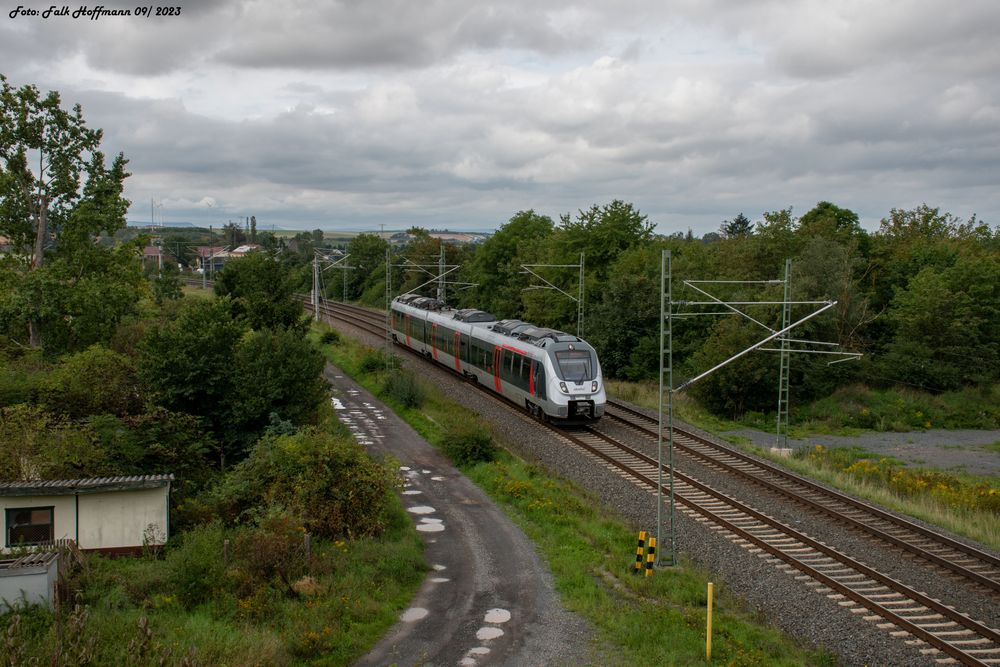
(738,227)
(167,285)
(233,234)
(275,372)
(832,222)
(187,363)
(261,291)
(56,195)
(367,253)
(496,266)
(945,326)
(602,233)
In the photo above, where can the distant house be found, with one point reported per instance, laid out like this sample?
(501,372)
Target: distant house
(214,258)
(152,257)
(106,514)
(209,258)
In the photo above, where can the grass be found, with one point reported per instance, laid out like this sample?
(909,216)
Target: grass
(964,504)
(657,620)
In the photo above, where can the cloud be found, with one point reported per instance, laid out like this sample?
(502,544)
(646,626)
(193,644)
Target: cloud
(357,113)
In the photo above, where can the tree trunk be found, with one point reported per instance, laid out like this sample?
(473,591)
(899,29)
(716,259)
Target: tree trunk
(37,259)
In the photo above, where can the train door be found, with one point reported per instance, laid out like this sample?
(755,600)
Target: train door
(457,347)
(408,325)
(496,367)
(434,340)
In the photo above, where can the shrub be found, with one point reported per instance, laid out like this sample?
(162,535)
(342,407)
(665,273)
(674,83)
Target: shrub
(404,388)
(468,446)
(372,362)
(330,337)
(274,550)
(95,381)
(195,568)
(328,483)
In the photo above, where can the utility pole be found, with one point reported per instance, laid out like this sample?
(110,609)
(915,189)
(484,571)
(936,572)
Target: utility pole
(441,289)
(388,300)
(781,429)
(315,290)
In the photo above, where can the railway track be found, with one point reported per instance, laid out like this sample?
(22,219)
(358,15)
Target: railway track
(945,633)
(969,563)
(853,584)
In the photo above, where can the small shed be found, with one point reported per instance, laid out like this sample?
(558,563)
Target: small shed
(106,514)
(30,579)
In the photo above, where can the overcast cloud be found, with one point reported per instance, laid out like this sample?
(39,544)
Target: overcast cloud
(451,114)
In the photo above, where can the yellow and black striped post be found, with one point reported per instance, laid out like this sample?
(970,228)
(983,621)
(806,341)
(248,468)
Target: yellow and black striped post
(639,551)
(650,556)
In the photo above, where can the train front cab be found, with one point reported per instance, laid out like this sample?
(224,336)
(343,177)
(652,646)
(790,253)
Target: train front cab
(577,389)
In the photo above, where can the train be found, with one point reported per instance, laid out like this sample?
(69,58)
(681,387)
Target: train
(553,374)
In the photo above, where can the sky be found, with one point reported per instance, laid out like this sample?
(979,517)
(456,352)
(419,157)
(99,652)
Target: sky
(456,114)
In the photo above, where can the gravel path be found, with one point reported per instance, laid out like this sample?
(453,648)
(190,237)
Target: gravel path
(784,600)
(962,451)
(488,599)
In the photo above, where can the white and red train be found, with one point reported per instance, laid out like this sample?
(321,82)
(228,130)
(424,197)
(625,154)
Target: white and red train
(551,373)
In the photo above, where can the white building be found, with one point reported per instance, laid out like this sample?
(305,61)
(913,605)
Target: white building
(106,514)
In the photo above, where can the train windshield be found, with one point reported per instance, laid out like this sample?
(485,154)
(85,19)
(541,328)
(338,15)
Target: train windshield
(575,365)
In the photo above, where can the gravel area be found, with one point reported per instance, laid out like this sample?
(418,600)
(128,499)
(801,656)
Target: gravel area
(782,599)
(963,451)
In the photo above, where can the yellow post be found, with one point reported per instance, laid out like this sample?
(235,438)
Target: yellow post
(650,556)
(639,550)
(708,634)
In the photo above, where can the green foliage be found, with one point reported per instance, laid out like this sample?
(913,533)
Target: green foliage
(330,337)
(187,362)
(272,552)
(946,324)
(403,387)
(496,266)
(469,445)
(195,567)
(738,227)
(167,285)
(92,382)
(367,253)
(373,361)
(829,221)
(260,289)
(158,441)
(20,373)
(602,233)
(327,483)
(75,294)
(747,383)
(40,445)
(274,371)
(206,363)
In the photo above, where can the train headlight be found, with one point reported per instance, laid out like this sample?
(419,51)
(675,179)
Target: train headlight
(593,386)
(562,388)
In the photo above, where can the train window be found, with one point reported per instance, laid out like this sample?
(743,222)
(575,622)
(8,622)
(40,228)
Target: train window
(575,365)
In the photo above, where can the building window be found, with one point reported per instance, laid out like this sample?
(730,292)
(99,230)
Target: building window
(27,526)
